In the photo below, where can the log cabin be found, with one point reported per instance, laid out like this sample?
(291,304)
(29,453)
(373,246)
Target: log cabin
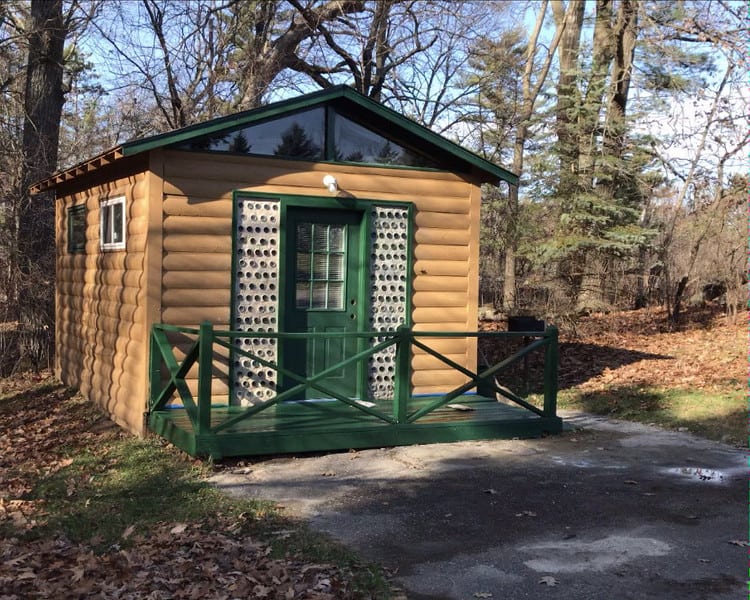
(301,276)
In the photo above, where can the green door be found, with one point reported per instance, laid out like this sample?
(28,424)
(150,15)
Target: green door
(324,273)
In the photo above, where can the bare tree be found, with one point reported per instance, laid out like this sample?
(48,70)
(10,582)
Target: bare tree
(695,63)
(35,236)
(511,71)
(537,62)
(198,59)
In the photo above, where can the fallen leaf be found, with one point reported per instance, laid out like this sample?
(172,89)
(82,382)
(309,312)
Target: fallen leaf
(490,491)
(26,575)
(177,529)
(462,407)
(631,482)
(128,532)
(739,543)
(548,580)
(526,513)
(482,595)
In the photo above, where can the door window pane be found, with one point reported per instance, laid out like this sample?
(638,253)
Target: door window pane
(303,294)
(336,239)
(320,266)
(336,267)
(319,295)
(320,274)
(320,237)
(335,299)
(303,266)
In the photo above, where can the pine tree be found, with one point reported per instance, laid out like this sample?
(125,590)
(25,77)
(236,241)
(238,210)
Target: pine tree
(295,143)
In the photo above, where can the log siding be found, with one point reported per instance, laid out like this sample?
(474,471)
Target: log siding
(101,303)
(197,242)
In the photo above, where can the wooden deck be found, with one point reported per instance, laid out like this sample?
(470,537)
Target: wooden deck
(201,426)
(330,425)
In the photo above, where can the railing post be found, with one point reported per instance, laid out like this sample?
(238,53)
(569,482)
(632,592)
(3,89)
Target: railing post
(402,389)
(154,369)
(550,372)
(205,369)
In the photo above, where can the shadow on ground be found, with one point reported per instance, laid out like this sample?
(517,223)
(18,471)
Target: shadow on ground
(600,511)
(578,362)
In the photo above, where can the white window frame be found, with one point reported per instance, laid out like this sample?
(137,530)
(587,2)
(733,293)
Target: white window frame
(108,224)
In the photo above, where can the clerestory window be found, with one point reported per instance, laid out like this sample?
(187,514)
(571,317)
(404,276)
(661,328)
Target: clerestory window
(316,134)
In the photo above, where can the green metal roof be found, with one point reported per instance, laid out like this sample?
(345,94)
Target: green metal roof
(399,127)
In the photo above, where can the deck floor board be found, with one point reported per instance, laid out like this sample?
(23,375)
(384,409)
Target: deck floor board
(330,424)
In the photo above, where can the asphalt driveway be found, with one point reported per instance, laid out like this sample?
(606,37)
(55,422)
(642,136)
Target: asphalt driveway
(609,510)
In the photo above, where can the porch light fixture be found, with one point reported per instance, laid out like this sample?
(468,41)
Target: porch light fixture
(330,182)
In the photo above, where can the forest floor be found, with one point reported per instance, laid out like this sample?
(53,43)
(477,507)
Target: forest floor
(86,510)
(633,365)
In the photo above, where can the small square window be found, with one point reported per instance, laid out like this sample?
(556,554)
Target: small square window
(77,229)
(112,223)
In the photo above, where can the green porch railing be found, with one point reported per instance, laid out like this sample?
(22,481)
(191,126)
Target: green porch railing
(202,348)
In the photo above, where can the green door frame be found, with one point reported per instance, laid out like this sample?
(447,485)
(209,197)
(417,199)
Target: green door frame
(362,206)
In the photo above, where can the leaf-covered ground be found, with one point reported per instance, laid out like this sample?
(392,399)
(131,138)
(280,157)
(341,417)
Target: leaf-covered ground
(708,352)
(633,365)
(86,511)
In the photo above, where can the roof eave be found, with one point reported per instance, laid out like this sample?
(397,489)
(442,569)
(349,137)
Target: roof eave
(89,166)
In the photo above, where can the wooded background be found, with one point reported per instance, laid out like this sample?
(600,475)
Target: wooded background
(626,120)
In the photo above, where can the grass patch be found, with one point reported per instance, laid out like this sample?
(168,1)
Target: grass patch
(720,416)
(125,488)
(367,579)
(135,483)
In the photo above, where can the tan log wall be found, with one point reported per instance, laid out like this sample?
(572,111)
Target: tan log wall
(101,308)
(197,242)
(177,265)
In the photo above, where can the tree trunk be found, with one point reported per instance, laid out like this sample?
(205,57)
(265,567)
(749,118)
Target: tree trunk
(571,19)
(593,99)
(530,94)
(43,103)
